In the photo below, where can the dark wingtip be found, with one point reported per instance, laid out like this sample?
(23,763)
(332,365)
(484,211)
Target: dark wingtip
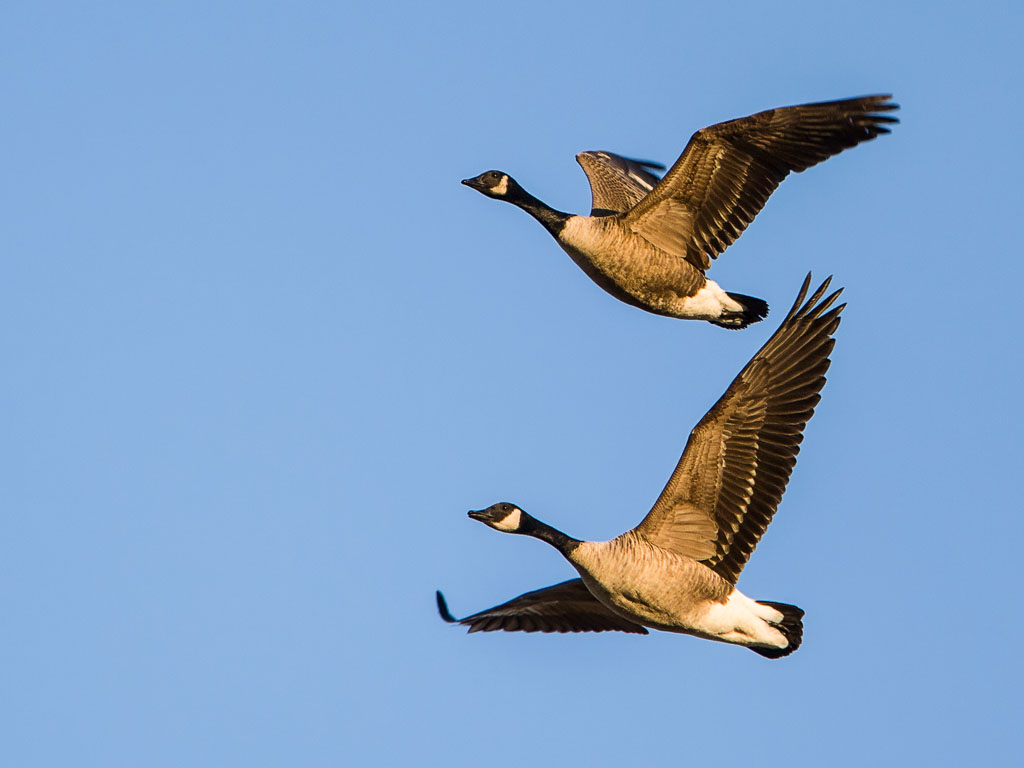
(800,296)
(879,101)
(648,164)
(442,608)
(883,103)
(886,103)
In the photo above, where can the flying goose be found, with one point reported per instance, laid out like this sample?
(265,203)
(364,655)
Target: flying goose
(677,570)
(649,241)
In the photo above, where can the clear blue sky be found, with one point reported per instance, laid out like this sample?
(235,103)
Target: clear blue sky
(261,351)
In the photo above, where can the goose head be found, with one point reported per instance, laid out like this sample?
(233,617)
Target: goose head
(508,518)
(496,184)
(504,517)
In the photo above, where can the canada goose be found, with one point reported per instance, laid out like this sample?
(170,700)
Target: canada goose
(677,570)
(648,242)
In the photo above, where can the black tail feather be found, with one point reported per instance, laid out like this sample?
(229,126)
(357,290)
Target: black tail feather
(754,310)
(791,626)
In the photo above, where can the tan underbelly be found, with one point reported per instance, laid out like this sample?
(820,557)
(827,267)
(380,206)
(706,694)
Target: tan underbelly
(661,289)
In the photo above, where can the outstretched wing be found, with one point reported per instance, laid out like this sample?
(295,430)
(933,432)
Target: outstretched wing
(565,607)
(727,171)
(617,183)
(733,472)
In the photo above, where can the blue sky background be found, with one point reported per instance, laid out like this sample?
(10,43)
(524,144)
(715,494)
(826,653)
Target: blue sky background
(261,351)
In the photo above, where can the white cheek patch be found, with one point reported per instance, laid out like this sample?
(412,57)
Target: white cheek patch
(502,186)
(509,523)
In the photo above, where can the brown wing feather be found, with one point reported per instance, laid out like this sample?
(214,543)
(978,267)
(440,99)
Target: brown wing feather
(564,607)
(616,183)
(727,172)
(738,459)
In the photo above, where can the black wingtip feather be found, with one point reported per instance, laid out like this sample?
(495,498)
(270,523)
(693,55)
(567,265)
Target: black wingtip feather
(799,298)
(814,306)
(442,608)
(649,164)
(818,293)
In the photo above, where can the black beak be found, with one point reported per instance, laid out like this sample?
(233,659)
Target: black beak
(480,514)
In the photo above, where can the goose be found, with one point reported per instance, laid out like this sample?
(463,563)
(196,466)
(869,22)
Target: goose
(649,241)
(677,570)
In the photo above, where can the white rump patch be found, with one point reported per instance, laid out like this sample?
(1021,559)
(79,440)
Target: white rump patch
(769,614)
(709,301)
(744,621)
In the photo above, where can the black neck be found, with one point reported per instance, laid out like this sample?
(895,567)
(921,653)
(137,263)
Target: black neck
(544,532)
(552,220)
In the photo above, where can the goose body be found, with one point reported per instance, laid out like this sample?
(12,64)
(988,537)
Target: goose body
(641,274)
(677,570)
(649,241)
(661,589)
